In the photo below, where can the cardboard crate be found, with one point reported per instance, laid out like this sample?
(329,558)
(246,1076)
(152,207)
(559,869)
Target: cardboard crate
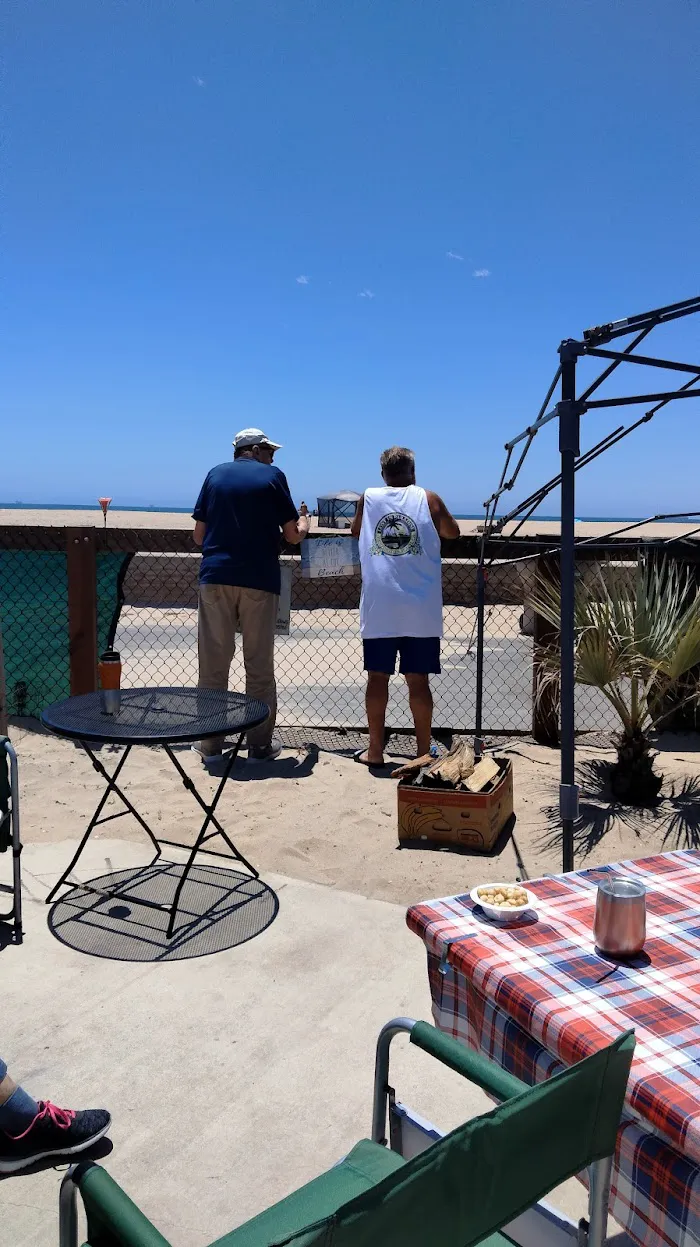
(437,818)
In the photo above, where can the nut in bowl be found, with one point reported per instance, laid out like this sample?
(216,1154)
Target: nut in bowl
(503,901)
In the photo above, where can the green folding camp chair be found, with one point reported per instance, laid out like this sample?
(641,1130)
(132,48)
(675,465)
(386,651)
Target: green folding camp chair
(461,1190)
(9,833)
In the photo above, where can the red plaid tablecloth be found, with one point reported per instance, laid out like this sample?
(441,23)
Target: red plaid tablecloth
(536,995)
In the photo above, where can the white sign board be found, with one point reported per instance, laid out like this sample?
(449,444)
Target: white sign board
(284,606)
(329,556)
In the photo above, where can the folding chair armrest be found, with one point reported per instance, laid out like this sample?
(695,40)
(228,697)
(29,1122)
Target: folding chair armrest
(112,1217)
(490,1077)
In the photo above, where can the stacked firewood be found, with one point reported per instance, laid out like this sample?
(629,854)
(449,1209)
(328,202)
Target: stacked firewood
(455,770)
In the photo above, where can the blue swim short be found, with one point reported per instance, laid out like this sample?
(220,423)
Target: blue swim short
(420,655)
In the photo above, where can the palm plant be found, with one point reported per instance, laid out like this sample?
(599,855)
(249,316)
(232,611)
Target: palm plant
(637,638)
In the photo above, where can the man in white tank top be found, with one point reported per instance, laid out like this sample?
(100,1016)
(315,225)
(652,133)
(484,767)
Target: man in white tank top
(399,528)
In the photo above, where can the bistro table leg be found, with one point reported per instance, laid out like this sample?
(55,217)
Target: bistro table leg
(203,835)
(112,786)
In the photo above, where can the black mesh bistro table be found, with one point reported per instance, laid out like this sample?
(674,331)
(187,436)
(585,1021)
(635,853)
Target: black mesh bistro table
(165,717)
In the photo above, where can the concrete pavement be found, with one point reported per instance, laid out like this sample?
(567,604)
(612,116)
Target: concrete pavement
(232,1078)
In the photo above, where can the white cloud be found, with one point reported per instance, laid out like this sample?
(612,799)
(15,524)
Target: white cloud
(199,82)
(454,255)
(366,294)
(302,280)
(481,272)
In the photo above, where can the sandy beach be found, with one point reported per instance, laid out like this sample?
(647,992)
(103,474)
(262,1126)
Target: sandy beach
(181,520)
(319,816)
(315,814)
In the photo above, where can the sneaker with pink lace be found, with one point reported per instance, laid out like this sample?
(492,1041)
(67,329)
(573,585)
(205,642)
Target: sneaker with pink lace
(54,1132)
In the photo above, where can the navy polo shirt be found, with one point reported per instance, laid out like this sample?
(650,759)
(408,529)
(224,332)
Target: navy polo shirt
(243,504)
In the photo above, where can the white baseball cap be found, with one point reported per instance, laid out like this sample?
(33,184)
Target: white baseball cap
(253,437)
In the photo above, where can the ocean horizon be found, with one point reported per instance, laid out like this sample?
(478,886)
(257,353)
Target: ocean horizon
(88,506)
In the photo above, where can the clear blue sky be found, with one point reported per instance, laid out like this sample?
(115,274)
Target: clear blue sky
(173,168)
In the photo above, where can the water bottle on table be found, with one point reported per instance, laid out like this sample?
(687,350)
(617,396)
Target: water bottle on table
(109,670)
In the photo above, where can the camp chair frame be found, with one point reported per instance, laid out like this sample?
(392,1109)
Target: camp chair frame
(118,1222)
(10,818)
(410,1134)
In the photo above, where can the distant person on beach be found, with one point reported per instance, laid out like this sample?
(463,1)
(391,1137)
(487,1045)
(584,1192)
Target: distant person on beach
(399,526)
(241,508)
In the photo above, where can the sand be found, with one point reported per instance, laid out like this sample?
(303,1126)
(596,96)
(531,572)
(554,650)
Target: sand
(179,519)
(319,816)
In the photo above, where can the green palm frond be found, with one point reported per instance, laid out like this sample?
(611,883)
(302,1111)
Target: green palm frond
(636,632)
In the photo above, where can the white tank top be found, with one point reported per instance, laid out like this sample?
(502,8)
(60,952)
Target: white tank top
(400,560)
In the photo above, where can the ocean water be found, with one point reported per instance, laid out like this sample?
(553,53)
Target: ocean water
(86,506)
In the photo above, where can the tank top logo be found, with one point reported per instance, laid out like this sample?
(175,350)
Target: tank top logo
(395,534)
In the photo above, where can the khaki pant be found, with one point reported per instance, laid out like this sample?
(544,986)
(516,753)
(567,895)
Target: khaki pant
(223,609)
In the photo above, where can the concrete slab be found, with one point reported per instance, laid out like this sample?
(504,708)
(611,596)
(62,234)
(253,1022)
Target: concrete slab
(233,1078)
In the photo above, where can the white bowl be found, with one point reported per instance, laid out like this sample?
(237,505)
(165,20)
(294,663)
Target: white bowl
(503,913)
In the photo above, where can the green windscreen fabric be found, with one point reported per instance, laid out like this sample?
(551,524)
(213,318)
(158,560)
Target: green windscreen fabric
(34,621)
(489,1170)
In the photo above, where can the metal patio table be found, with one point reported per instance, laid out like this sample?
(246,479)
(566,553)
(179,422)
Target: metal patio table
(162,717)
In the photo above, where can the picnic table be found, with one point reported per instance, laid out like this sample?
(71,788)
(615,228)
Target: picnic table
(536,996)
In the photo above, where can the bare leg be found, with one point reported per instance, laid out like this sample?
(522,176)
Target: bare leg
(376,698)
(7,1088)
(420,699)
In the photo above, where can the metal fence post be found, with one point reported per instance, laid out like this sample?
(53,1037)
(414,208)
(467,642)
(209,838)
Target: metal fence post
(545,702)
(82,609)
(481,575)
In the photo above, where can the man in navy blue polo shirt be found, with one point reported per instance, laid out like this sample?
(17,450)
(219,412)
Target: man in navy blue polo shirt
(242,507)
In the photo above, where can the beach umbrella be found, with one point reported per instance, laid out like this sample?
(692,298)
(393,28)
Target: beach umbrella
(104,503)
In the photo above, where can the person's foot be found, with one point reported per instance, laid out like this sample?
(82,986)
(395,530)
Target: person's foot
(210,757)
(265,753)
(365,759)
(430,751)
(53,1132)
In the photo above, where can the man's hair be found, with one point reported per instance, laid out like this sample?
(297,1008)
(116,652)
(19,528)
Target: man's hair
(398,463)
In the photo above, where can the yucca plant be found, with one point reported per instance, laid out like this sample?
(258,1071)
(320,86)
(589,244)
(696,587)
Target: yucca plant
(637,634)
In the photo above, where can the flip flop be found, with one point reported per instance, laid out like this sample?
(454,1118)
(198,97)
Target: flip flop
(357,757)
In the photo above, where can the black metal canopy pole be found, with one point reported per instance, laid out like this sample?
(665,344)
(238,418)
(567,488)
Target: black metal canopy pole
(569,412)
(658,316)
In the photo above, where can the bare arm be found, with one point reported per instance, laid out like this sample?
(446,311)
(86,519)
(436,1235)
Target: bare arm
(443,520)
(357,522)
(294,531)
(200,529)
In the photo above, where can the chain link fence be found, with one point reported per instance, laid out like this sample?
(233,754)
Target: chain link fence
(318,666)
(147,607)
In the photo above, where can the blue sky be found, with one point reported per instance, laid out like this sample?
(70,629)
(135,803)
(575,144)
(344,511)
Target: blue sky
(459,185)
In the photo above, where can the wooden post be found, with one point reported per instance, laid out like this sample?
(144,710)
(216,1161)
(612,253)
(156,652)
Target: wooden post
(545,706)
(82,609)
